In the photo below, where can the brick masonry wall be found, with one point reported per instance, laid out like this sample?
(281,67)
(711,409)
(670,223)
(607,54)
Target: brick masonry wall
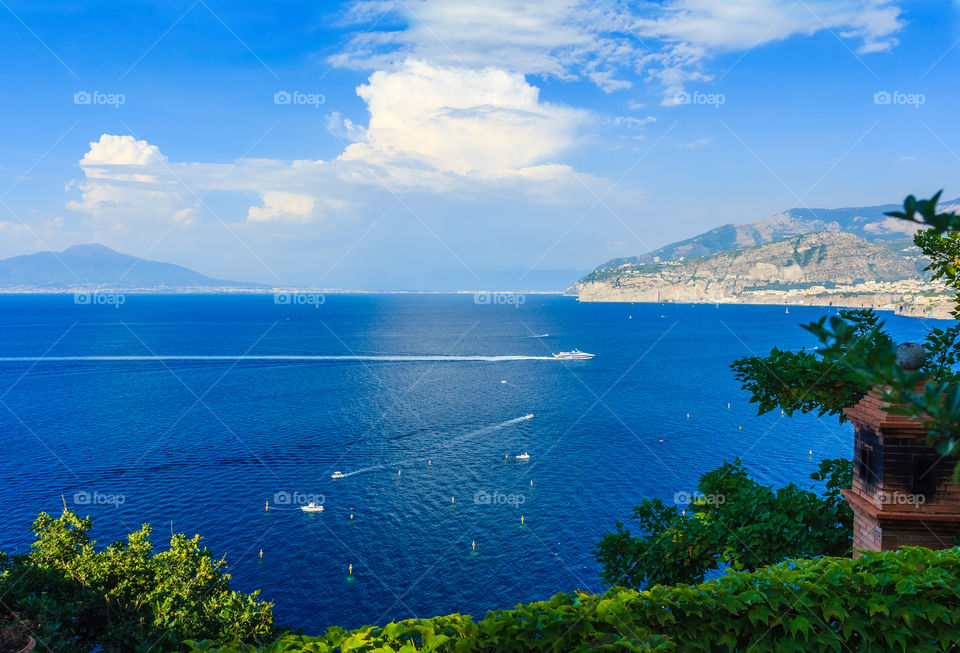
(906,492)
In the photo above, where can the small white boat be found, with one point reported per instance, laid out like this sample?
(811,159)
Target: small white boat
(575,355)
(337,475)
(524,456)
(311,507)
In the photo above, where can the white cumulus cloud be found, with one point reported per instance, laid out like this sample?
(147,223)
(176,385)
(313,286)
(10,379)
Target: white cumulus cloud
(486,122)
(284,207)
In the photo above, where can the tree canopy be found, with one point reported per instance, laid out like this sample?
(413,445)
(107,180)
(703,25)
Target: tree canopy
(125,597)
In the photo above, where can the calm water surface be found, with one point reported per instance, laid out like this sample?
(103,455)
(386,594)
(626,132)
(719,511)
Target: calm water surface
(205,443)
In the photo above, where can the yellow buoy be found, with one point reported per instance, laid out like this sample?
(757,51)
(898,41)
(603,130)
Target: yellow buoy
(398,472)
(531,482)
(811,452)
(683,513)
(728,404)
(351,515)
(474,545)
(268,507)
(688,415)
(429,462)
(351,569)
(521,519)
(452,500)
(740,428)
(261,553)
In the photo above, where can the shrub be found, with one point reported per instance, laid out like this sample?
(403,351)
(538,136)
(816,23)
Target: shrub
(906,600)
(125,597)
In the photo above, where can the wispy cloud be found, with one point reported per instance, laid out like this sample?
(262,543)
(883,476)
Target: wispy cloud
(610,45)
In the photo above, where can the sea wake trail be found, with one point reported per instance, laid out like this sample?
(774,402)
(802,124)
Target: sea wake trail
(447,444)
(271,357)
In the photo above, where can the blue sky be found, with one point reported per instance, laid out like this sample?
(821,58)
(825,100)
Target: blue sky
(435,144)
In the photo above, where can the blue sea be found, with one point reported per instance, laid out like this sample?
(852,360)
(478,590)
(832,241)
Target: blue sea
(429,513)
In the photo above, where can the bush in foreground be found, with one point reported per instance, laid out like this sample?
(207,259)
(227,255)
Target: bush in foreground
(734,522)
(906,600)
(125,597)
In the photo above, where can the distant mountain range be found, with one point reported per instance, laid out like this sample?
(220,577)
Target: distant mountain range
(839,257)
(868,222)
(96,266)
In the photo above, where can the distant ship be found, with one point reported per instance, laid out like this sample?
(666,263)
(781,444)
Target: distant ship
(337,475)
(575,355)
(524,456)
(311,507)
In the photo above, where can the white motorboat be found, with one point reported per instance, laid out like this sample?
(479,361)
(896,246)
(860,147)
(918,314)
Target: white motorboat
(575,355)
(524,456)
(337,475)
(312,507)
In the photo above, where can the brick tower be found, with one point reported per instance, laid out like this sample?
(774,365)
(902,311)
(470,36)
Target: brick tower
(902,493)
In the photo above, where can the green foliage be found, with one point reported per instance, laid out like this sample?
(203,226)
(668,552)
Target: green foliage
(806,382)
(941,248)
(734,522)
(858,354)
(796,382)
(935,401)
(125,597)
(943,353)
(906,600)
(925,212)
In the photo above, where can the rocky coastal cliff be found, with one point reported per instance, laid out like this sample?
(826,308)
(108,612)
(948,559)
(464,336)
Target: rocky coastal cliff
(831,268)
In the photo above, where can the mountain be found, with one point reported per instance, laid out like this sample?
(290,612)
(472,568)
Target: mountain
(868,222)
(834,268)
(97,266)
